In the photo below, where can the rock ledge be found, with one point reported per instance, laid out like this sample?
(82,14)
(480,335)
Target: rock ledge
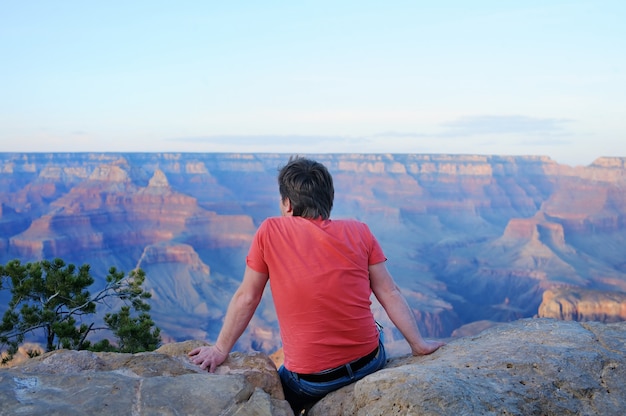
(531,366)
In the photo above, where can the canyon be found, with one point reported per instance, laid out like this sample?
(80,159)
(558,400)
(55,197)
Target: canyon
(472,240)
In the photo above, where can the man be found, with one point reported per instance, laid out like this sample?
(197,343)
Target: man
(322,273)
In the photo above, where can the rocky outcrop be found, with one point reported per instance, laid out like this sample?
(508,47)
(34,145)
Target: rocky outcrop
(163,382)
(576,304)
(531,366)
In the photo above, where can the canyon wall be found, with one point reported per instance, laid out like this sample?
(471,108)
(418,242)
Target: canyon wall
(469,238)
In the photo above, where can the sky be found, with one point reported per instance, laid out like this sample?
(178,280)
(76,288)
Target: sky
(456,77)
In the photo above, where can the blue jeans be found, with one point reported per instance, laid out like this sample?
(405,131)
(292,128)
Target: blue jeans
(299,392)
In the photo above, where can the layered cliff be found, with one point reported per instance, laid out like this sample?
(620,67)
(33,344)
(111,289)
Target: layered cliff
(576,304)
(469,238)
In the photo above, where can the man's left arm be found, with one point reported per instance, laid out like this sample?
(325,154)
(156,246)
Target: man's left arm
(398,310)
(238,315)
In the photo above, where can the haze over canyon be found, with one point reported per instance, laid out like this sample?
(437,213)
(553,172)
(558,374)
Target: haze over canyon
(470,239)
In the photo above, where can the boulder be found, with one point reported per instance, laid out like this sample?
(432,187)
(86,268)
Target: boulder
(531,366)
(163,382)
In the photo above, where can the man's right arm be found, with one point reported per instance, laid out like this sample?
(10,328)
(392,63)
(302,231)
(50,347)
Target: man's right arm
(390,297)
(240,310)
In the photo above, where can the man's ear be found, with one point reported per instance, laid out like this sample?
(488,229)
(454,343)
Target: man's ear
(287,207)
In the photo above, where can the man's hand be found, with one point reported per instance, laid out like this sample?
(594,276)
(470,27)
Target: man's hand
(426,347)
(208,357)
(238,315)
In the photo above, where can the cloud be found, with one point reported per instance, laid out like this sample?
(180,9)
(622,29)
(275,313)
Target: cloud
(487,125)
(545,141)
(483,130)
(259,139)
(401,135)
(272,143)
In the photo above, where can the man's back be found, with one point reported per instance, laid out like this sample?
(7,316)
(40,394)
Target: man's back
(320,285)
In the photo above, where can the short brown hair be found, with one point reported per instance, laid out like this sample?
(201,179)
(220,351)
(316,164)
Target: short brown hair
(309,187)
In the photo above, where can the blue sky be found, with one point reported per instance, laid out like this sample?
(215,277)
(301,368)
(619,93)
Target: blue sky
(481,77)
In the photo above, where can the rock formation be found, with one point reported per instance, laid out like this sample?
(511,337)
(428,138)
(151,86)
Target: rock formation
(531,366)
(157,383)
(576,304)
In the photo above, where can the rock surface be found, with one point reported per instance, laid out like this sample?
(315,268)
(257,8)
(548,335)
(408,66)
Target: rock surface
(531,366)
(163,382)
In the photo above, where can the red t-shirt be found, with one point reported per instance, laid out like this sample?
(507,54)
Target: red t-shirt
(318,273)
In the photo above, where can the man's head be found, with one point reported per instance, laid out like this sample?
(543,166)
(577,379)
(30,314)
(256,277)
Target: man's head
(308,187)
